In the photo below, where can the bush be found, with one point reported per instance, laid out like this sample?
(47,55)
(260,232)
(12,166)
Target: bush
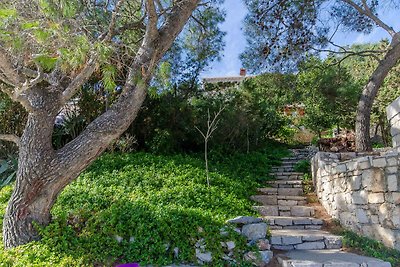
(303,166)
(154,203)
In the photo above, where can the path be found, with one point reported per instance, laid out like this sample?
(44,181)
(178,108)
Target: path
(294,227)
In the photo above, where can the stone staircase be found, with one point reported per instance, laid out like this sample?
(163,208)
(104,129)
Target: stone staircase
(292,224)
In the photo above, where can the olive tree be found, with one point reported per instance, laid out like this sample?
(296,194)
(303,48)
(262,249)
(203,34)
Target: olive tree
(48,50)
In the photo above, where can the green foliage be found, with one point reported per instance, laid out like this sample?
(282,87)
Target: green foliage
(249,119)
(329,94)
(8,171)
(303,166)
(155,203)
(361,68)
(371,248)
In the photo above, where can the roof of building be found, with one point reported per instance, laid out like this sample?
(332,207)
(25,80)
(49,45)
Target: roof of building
(225,79)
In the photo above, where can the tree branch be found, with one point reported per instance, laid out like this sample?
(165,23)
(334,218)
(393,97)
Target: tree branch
(81,151)
(7,68)
(10,138)
(111,26)
(152,28)
(367,12)
(80,79)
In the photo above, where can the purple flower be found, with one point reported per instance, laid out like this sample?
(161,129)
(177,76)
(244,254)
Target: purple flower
(129,265)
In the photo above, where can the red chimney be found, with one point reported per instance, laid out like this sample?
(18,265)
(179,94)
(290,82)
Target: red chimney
(242,72)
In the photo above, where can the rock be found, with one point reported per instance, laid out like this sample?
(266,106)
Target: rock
(176,252)
(244,220)
(203,256)
(255,231)
(263,244)
(118,238)
(230,245)
(266,256)
(260,260)
(310,245)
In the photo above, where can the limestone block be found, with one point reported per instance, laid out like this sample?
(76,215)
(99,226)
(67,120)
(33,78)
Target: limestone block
(374,219)
(310,246)
(392,161)
(300,263)
(339,185)
(291,240)
(266,256)
(244,220)
(378,264)
(363,163)
(351,166)
(346,218)
(392,182)
(347,156)
(333,242)
(387,236)
(341,168)
(276,240)
(362,216)
(263,244)
(355,183)
(255,231)
(374,180)
(341,264)
(392,170)
(379,162)
(283,221)
(376,198)
(394,198)
(360,197)
(395,129)
(340,201)
(396,217)
(203,256)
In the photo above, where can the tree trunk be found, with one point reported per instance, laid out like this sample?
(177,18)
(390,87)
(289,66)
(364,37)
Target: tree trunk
(43,172)
(363,118)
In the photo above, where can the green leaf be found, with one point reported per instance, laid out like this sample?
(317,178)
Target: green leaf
(8,13)
(30,25)
(109,73)
(47,62)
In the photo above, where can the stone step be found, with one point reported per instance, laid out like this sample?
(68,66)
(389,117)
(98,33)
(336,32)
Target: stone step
(281,191)
(282,222)
(285,184)
(304,240)
(280,200)
(300,174)
(276,210)
(290,177)
(328,257)
(281,169)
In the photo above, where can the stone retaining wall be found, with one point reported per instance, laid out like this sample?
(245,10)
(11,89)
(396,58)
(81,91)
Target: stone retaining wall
(362,191)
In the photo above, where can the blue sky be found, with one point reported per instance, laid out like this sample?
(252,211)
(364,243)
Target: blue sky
(236,42)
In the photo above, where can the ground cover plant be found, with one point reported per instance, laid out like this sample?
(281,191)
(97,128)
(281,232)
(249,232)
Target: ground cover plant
(370,247)
(154,203)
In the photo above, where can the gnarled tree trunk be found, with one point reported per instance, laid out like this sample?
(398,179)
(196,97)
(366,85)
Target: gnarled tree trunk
(44,172)
(363,119)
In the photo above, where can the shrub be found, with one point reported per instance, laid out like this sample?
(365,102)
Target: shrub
(154,203)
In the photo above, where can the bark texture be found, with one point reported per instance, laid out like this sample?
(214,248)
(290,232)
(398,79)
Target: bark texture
(44,172)
(363,140)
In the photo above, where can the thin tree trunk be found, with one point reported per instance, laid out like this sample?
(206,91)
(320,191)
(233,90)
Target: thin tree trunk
(363,118)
